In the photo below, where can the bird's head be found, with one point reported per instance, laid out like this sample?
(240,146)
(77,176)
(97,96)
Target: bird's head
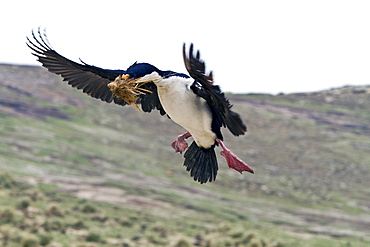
(138,70)
(131,84)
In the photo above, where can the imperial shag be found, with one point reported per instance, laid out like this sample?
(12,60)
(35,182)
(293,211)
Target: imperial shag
(192,101)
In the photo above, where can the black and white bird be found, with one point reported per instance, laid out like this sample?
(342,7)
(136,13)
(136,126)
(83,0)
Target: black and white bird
(192,101)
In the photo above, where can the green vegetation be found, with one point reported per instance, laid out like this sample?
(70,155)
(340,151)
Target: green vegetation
(39,222)
(78,172)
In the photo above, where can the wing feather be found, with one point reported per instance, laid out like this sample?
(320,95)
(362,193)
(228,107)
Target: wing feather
(90,79)
(218,103)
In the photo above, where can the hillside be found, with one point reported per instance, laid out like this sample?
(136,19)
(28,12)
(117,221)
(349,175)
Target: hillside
(310,153)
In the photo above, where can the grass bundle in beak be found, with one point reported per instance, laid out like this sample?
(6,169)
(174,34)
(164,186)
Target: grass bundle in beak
(128,89)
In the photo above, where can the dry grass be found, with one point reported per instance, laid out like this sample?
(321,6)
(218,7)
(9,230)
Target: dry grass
(128,89)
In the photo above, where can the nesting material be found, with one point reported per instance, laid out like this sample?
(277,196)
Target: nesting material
(128,89)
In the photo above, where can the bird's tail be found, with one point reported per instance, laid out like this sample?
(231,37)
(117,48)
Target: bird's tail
(201,163)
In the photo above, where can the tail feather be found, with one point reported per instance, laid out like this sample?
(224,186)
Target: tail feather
(201,162)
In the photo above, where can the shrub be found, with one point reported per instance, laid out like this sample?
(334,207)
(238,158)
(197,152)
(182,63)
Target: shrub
(53,226)
(248,238)
(223,228)
(199,239)
(161,230)
(155,239)
(208,243)
(78,225)
(255,243)
(125,222)
(7,181)
(35,195)
(24,204)
(45,239)
(5,235)
(227,243)
(183,243)
(88,209)
(6,216)
(93,237)
(54,210)
(237,234)
(30,242)
(101,219)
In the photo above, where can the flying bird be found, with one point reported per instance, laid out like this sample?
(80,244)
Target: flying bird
(192,101)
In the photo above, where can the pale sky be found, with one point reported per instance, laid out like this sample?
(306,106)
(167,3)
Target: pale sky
(252,46)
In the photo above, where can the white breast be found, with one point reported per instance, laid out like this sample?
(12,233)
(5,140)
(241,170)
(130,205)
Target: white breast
(186,108)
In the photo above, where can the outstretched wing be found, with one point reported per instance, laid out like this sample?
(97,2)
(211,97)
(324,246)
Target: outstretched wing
(218,103)
(90,79)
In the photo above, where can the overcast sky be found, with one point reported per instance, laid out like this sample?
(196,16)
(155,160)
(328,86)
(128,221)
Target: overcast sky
(252,46)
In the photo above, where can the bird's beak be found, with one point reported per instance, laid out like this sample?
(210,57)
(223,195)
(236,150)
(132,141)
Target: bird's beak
(125,77)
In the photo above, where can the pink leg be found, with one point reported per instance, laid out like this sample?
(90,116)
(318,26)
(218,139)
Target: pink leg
(232,160)
(180,144)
